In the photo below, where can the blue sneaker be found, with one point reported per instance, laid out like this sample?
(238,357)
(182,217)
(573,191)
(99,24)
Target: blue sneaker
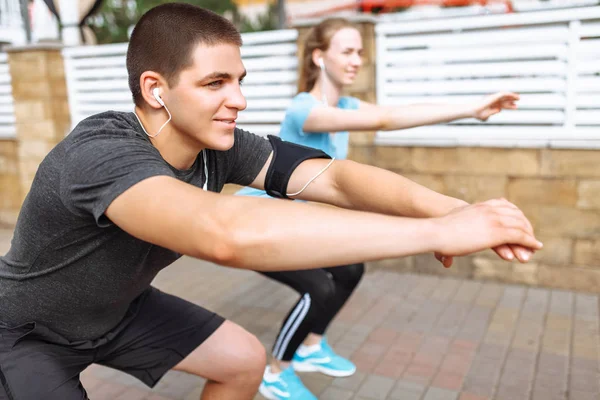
(285,386)
(325,361)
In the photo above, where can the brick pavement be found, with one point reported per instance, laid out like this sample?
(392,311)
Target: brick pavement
(413,337)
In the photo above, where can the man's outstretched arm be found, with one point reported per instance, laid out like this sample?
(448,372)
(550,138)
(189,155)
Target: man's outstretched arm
(262,234)
(356,186)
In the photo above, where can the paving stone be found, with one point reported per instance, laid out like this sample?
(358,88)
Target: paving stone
(376,387)
(406,390)
(440,394)
(335,393)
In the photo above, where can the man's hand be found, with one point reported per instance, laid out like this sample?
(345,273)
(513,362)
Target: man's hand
(493,104)
(506,252)
(496,224)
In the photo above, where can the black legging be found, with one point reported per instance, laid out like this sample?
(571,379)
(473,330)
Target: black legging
(323,293)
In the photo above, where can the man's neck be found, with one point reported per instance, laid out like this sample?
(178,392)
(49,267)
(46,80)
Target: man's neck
(179,150)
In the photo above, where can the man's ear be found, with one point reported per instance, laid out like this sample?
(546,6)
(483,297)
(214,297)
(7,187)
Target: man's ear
(149,81)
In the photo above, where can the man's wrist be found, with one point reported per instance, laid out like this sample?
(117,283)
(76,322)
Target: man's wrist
(453,204)
(434,234)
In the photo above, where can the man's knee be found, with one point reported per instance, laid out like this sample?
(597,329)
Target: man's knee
(252,358)
(230,355)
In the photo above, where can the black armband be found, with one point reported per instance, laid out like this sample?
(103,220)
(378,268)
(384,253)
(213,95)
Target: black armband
(286,157)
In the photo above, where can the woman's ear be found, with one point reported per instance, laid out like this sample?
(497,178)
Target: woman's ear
(317,57)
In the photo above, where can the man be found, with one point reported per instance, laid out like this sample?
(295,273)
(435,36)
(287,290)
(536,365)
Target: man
(121,198)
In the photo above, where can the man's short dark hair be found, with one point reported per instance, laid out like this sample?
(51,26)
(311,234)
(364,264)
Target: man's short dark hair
(165,37)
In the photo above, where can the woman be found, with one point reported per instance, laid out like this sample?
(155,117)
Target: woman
(321,117)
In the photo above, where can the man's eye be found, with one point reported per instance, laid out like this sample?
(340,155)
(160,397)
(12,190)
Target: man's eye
(215,84)
(241,82)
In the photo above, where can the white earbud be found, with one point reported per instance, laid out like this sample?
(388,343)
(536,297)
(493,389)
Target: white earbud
(156,94)
(322,66)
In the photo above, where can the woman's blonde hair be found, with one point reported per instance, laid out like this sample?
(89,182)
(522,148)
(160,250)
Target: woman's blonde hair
(319,37)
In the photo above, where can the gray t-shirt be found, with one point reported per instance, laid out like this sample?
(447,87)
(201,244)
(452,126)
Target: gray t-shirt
(69,267)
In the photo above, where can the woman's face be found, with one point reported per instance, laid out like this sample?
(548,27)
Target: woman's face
(343,59)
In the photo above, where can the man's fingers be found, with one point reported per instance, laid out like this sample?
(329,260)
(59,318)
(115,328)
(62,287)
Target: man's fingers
(447,261)
(501,202)
(523,254)
(504,207)
(516,217)
(505,252)
(517,236)
(513,220)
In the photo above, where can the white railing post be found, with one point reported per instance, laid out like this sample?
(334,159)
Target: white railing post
(12,28)
(69,18)
(572,59)
(7,110)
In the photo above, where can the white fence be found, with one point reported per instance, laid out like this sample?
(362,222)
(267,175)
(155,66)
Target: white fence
(271,61)
(552,58)
(7,115)
(11,23)
(97,79)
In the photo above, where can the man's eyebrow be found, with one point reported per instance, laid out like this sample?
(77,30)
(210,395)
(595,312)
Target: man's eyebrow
(222,75)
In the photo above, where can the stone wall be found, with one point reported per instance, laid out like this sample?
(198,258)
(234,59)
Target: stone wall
(42,120)
(10,192)
(559,190)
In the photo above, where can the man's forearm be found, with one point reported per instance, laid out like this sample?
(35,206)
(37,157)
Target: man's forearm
(368,188)
(411,116)
(286,235)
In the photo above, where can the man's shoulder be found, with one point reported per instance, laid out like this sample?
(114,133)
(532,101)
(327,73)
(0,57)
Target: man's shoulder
(106,125)
(244,137)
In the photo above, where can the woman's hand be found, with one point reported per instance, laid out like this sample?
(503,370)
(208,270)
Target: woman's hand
(493,104)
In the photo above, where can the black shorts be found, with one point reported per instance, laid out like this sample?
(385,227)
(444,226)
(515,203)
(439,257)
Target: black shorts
(158,332)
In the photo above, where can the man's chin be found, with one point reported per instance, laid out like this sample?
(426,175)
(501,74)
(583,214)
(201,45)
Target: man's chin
(224,143)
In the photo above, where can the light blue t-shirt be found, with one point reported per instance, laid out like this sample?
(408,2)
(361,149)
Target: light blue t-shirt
(291,131)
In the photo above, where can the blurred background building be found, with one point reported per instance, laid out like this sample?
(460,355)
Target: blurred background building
(109,21)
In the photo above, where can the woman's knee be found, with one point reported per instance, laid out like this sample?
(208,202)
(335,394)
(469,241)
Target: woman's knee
(322,293)
(350,275)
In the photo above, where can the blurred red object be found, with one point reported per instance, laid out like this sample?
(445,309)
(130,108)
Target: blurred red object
(385,6)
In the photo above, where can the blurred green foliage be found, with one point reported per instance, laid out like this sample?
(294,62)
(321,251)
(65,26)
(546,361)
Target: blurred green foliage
(115,18)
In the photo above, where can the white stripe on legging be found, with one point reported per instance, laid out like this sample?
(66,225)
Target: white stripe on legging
(297,317)
(285,328)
